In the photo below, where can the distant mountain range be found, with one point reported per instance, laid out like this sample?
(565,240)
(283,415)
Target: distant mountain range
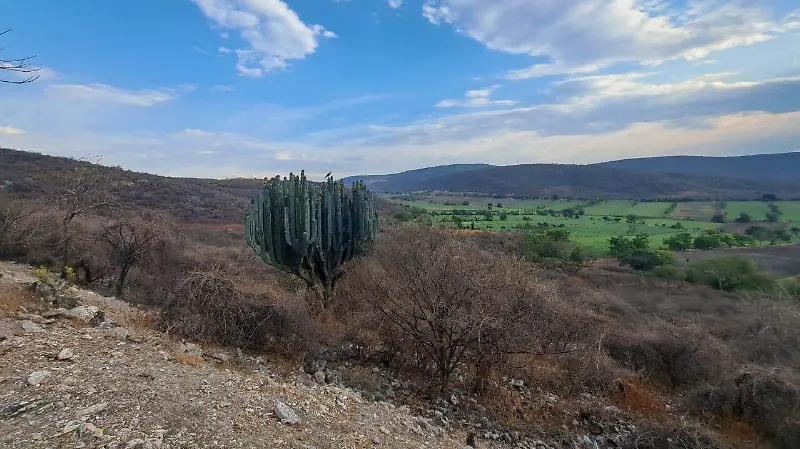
(672,177)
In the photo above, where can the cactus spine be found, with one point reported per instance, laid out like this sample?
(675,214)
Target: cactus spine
(311,229)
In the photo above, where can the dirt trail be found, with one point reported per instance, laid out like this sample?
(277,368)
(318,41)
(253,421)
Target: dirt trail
(65,383)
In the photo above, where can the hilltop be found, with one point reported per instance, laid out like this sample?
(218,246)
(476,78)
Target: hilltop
(649,178)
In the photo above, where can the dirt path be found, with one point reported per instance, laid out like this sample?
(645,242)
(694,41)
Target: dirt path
(65,383)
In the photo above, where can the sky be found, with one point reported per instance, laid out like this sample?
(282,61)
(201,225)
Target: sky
(253,88)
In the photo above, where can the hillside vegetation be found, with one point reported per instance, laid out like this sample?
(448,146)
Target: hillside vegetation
(34,175)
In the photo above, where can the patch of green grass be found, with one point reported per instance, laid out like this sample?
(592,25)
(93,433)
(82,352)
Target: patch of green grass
(622,208)
(790,210)
(756,209)
(610,208)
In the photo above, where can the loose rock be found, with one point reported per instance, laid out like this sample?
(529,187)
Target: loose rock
(286,414)
(93,410)
(66,354)
(32,328)
(38,377)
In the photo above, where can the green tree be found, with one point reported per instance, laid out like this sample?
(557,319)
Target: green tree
(743,218)
(679,242)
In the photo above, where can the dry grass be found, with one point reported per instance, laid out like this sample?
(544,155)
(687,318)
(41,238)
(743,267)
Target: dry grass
(13,300)
(185,359)
(641,398)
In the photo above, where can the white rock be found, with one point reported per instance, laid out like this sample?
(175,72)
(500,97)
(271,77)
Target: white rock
(93,410)
(83,313)
(221,356)
(89,429)
(285,413)
(32,328)
(66,354)
(37,377)
(135,443)
(192,349)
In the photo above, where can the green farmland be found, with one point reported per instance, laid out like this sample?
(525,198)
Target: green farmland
(591,224)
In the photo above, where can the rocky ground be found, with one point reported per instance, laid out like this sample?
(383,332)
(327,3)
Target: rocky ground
(81,370)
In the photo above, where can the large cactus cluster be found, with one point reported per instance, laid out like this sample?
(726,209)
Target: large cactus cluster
(311,229)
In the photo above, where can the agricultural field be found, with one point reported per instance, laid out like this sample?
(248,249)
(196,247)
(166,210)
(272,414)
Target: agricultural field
(599,221)
(790,211)
(621,208)
(696,210)
(757,210)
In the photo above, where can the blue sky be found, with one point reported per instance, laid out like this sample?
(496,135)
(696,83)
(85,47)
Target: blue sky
(222,88)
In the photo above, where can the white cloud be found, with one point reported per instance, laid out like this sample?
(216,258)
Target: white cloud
(11,131)
(224,50)
(221,88)
(105,94)
(476,98)
(395,3)
(585,33)
(792,21)
(274,32)
(558,68)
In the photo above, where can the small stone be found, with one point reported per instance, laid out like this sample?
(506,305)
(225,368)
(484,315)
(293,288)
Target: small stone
(305,379)
(611,409)
(285,413)
(32,328)
(384,430)
(376,441)
(87,314)
(93,410)
(54,313)
(192,349)
(138,442)
(37,377)
(221,356)
(66,354)
(319,376)
(89,429)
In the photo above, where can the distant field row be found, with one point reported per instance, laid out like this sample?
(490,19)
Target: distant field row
(702,211)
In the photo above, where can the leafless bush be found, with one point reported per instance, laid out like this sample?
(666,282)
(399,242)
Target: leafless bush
(23,225)
(453,304)
(667,354)
(672,436)
(219,306)
(766,400)
(130,241)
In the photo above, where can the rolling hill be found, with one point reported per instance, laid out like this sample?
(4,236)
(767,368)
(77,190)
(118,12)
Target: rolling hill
(610,180)
(775,167)
(190,199)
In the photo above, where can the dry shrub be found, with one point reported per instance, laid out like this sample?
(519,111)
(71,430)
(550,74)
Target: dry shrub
(672,356)
(218,306)
(766,400)
(670,436)
(186,359)
(447,303)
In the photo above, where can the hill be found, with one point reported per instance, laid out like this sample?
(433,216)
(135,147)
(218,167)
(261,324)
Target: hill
(190,199)
(775,167)
(579,181)
(408,180)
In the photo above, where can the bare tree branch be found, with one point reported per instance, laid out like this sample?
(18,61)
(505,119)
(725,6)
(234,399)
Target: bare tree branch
(18,65)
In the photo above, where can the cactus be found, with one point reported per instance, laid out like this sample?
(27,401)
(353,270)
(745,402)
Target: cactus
(311,229)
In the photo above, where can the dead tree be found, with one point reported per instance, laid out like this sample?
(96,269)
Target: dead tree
(128,243)
(85,188)
(21,67)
